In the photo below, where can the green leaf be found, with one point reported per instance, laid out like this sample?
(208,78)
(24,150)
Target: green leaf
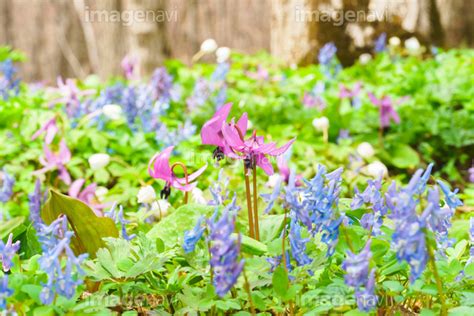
(270,227)
(252,246)
(280,281)
(171,228)
(8,226)
(393,286)
(89,230)
(403,156)
(461,311)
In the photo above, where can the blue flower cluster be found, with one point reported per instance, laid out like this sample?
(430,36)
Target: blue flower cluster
(380,43)
(36,199)
(55,242)
(191,237)
(5,292)
(7,187)
(358,277)
(8,84)
(373,196)
(328,60)
(225,252)
(7,251)
(117,217)
(315,205)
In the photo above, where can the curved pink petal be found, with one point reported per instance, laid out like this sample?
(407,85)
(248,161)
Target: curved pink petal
(210,131)
(88,193)
(231,136)
(175,183)
(242,123)
(50,133)
(282,149)
(373,99)
(64,174)
(75,188)
(264,163)
(64,152)
(196,174)
(161,165)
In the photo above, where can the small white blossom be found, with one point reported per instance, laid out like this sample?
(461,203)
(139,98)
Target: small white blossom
(412,45)
(98,161)
(112,111)
(376,168)
(365,150)
(222,54)
(365,58)
(321,124)
(394,41)
(208,46)
(146,194)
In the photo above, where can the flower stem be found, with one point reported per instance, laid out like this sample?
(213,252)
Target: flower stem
(247,289)
(283,255)
(439,283)
(185,170)
(255,199)
(249,202)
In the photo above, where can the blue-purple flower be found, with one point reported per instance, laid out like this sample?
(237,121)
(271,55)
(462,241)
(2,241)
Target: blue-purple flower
(225,251)
(357,267)
(328,61)
(8,84)
(7,251)
(5,292)
(298,244)
(55,241)
(7,187)
(191,237)
(367,299)
(35,201)
(380,43)
(118,218)
(450,197)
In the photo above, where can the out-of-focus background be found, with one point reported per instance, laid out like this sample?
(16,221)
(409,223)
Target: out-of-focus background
(74,38)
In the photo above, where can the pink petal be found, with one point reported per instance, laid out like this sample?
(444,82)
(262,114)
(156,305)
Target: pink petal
(242,123)
(373,99)
(210,132)
(64,152)
(196,174)
(264,163)
(50,133)
(282,149)
(64,174)
(161,165)
(231,136)
(75,188)
(88,193)
(182,186)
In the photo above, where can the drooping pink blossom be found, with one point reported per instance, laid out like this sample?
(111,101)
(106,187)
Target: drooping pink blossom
(50,129)
(56,160)
(159,168)
(386,109)
(129,65)
(87,195)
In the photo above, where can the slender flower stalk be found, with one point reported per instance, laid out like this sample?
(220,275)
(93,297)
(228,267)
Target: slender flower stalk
(255,200)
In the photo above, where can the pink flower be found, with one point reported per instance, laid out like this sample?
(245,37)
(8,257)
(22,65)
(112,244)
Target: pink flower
(254,149)
(285,171)
(345,92)
(87,195)
(211,132)
(387,110)
(159,168)
(57,160)
(50,128)
(129,64)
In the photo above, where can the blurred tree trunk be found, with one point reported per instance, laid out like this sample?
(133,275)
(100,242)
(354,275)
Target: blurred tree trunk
(293,30)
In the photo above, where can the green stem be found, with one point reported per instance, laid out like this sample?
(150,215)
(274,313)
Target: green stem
(439,283)
(247,289)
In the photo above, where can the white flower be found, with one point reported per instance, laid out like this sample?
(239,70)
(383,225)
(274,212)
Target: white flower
(321,124)
(146,194)
(222,54)
(394,41)
(98,161)
(208,46)
(160,208)
(100,193)
(376,168)
(365,150)
(112,111)
(273,180)
(365,58)
(412,45)
(198,196)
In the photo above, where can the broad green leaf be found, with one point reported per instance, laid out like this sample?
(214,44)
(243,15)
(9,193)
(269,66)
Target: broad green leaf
(252,246)
(393,286)
(270,227)
(89,229)
(403,156)
(280,281)
(8,226)
(171,228)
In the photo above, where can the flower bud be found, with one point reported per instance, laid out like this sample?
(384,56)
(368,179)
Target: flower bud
(222,54)
(365,150)
(376,169)
(321,124)
(98,161)
(365,58)
(208,46)
(412,45)
(146,194)
(160,208)
(394,41)
(112,111)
